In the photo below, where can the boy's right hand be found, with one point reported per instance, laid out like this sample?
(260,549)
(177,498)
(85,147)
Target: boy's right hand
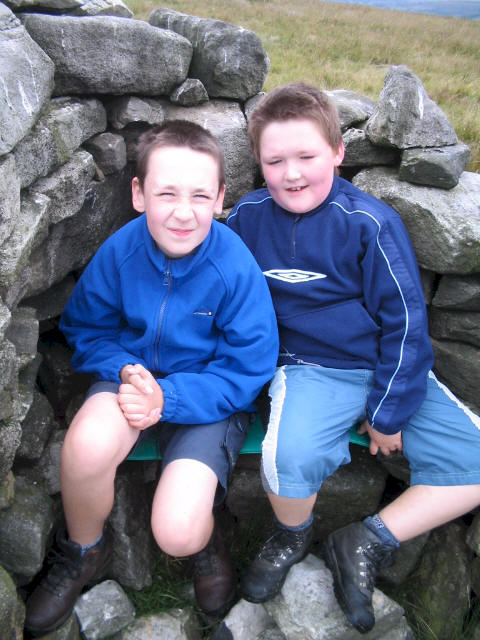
(140,397)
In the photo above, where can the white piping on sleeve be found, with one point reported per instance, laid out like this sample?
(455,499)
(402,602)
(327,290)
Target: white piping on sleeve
(404,337)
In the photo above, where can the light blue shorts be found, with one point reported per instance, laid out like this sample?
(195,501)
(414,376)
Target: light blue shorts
(313,409)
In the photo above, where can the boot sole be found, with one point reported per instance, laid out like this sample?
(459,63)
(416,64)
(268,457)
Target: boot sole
(331,562)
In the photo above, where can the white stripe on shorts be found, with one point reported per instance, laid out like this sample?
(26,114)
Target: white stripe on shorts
(468,412)
(278,389)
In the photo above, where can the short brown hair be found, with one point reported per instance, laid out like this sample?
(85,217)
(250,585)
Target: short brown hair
(178,133)
(295,101)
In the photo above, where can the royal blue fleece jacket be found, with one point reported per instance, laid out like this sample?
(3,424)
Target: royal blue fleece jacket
(203,324)
(346,289)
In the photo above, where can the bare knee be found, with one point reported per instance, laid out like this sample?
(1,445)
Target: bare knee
(89,448)
(180,536)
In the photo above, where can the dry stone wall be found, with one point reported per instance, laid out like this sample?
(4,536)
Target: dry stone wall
(79,81)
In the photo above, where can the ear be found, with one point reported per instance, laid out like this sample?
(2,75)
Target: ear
(219,202)
(138,200)
(338,159)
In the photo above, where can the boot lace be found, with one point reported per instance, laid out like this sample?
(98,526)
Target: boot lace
(376,556)
(62,570)
(281,545)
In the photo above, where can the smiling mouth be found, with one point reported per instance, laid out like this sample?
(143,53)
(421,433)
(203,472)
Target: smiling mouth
(181,232)
(295,189)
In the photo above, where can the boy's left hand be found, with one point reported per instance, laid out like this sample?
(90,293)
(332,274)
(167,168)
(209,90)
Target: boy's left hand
(140,397)
(386,444)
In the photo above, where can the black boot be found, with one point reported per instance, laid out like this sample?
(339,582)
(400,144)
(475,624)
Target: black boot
(265,576)
(353,554)
(213,576)
(52,601)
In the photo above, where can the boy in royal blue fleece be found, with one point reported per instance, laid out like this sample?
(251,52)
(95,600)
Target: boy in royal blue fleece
(354,348)
(175,320)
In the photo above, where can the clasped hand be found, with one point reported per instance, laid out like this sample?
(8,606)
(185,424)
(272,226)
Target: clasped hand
(386,444)
(140,397)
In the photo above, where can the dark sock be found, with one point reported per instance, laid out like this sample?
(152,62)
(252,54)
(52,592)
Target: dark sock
(376,524)
(300,527)
(85,547)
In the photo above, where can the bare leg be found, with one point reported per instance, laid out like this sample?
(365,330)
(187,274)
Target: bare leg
(421,508)
(98,439)
(182,520)
(292,511)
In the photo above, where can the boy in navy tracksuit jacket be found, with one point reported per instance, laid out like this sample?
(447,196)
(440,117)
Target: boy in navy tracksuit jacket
(354,348)
(175,320)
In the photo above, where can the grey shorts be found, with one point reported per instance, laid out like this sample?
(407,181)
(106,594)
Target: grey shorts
(216,444)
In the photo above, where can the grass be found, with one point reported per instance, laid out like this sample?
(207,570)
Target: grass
(345,46)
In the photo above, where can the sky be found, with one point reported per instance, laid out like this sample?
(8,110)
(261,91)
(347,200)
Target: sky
(469,9)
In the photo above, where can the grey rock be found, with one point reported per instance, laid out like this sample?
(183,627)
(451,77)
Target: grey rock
(190,93)
(271,634)
(26,74)
(406,560)
(130,521)
(229,60)
(458,364)
(5,317)
(72,242)
(440,586)
(462,326)
(12,609)
(306,608)
(59,132)
(406,117)
(251,103)
(435,167)
(444,226)
(29,520)
(127,109)
(50,303)
(244,622)
(102,8)
(176,624)
(473,535)
(9,196)
(23,334)
(7,491)
(109,152)
(46,471)
(66,187)
(475,574)
(396,464)
(56,375)
(37,427)
(226,121)
(73,7)
(458,292)
(10,434)
(353,108)
(103,610)
(31,227)
(428,280)
(360,152)
(109,55)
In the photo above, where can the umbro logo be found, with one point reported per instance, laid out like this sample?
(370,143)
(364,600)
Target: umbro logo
(293,275)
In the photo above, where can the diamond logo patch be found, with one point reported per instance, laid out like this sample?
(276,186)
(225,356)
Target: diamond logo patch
(293,275)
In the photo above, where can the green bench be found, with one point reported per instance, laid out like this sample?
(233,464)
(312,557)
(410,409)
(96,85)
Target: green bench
(147,449)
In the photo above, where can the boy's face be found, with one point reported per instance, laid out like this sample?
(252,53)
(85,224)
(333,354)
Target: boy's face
(180,195)
(298,163)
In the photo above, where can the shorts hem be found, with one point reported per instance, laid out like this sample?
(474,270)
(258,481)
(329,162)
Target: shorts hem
(445,479)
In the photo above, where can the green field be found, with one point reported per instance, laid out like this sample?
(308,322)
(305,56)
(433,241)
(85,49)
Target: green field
(346,46)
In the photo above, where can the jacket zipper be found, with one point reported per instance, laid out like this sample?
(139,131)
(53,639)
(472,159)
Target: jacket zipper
(167,282)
